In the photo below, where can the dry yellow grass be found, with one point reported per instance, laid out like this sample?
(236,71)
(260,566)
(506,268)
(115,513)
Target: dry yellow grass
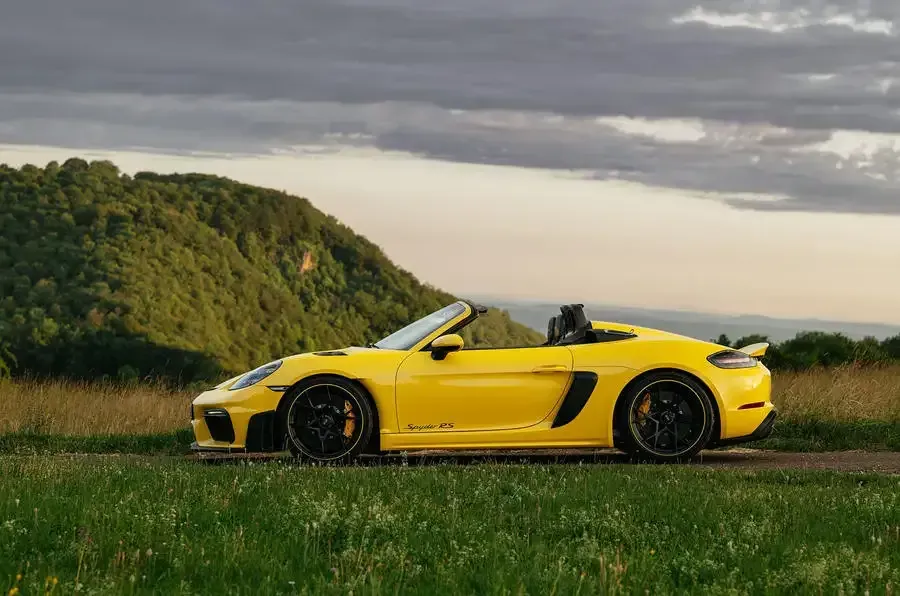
(75,408)
(845,393)
(63,407)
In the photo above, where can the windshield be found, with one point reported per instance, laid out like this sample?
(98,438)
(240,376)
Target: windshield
(415,332)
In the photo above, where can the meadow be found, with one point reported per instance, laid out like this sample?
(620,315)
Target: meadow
(845,407)
(97,524)
(90,503)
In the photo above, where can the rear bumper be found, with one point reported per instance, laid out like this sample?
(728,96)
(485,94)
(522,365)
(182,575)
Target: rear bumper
(761,432)
(745,402)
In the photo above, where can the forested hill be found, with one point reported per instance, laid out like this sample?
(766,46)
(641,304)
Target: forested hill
(191,276)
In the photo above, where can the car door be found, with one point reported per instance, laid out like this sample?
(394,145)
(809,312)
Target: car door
(481,389)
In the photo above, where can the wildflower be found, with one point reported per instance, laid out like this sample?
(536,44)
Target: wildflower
(13,591)
(652,551)
(18,577)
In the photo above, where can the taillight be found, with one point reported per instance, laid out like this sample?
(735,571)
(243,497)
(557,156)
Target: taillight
(732,359)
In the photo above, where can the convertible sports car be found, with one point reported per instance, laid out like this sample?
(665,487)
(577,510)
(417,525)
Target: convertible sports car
(591,384)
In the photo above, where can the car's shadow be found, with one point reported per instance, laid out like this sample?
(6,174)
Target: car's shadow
(599,457)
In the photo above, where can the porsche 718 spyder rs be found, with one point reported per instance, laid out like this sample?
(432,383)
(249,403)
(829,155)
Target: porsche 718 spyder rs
(591,384)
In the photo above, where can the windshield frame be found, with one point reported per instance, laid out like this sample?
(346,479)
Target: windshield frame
(422,330)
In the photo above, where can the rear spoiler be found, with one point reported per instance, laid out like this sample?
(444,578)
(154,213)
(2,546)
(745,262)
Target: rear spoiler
(755,350)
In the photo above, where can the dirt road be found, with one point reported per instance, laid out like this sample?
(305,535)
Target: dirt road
(751,459)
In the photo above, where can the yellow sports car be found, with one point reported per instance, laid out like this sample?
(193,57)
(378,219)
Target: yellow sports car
(591,384)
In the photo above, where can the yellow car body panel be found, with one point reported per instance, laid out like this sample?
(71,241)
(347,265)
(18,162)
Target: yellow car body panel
(481,390)
(492,398)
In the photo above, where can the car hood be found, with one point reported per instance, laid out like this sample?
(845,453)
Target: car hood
(348,351)
(345,359)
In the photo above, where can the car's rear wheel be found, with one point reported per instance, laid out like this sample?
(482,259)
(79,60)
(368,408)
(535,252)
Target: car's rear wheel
(328,420)
(666,416)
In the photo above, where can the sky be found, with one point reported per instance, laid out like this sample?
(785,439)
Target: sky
(729,156)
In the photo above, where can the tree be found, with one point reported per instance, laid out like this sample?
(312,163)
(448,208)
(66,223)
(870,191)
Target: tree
(891,347)
(7,361)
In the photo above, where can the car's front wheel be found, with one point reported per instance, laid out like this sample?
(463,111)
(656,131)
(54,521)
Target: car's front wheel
(328,420)
(666,416)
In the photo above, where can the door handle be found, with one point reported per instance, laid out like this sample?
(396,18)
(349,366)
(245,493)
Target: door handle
(550,368)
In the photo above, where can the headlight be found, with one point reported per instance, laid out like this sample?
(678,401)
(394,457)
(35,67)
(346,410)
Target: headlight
(256,375)
(732,359)
(227,382)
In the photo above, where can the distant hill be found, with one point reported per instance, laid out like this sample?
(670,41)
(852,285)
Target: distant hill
(189,276)
(692,324)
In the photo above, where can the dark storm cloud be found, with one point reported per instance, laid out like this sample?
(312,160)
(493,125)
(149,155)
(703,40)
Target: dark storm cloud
(228,75)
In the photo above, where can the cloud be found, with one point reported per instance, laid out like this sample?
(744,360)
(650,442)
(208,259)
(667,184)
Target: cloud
(715,98)
(783,21)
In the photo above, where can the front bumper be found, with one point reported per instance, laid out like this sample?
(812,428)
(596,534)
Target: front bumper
(243,421)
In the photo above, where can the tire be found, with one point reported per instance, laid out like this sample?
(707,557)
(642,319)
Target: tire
(317,416)
(666,417)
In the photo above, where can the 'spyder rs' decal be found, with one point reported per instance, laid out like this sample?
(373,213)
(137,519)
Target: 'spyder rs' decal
(441,426)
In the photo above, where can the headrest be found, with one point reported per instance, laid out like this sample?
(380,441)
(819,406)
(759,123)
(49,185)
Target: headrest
(552,331)
(573,319)
(562,326)
(581,321)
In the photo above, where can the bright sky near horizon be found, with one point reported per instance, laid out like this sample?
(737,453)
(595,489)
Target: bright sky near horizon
(647,153)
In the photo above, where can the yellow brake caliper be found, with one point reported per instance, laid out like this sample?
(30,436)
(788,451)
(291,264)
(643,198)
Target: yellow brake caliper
(644,408)
(350,423)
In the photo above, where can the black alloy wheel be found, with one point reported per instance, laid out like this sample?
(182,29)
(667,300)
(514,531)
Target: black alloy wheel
(667,417)
(328,420)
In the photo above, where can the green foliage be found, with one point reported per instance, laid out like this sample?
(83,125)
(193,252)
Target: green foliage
(891,347)
(810,349)
(7,360)
(188,276)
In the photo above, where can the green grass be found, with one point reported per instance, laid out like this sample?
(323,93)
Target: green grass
(25,443)
(821,435)
(154,525)
(808,436)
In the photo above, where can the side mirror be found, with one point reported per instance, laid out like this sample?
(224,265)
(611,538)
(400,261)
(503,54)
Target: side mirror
(446,344)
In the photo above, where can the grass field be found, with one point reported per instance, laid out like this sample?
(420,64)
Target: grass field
(117,524)
(843,408)
(841,394)
(142,525)
(59,407)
